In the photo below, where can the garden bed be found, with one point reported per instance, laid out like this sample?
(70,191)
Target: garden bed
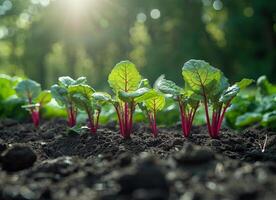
(105,166)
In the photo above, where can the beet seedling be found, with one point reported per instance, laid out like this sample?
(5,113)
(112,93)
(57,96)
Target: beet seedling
(124,79)
(30,91)
(212,87)
(188,105)
(84,99)
(61,95)
(152,102)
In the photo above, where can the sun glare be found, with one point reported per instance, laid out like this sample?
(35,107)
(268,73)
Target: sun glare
(77,12)
(77,6)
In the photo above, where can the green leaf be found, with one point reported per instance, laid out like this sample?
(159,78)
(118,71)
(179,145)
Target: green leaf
(268,103)
(124,77)
(248,119)
(155,103)
(132,96)
(82,96)
(81,80)
(102,96)
(144,83)
(269,120)
(66,81)
(60,94)
(7,86)
(11,108)
(44,97)
(167,86)
(244,83)
(201,78)
(265,87)
(28,89)
(229,93)
(233,90)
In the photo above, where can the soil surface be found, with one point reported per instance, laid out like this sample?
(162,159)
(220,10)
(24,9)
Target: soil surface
(52,163)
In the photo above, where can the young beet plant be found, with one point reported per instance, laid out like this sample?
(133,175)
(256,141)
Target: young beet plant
(212,88)
(185,99)
(85,98)
(152,102)
(124,79)
(31,92)
(61,94)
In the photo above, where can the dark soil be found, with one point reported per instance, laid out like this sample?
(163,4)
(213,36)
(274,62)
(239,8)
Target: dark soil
(52,163)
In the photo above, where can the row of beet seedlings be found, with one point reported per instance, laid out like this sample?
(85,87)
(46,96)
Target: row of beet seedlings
(204,85)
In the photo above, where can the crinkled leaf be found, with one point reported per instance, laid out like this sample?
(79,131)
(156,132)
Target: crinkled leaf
(60,94)
(248,119)
(167,86)
(233,90)
(102,96)
(66,81)
(28,89)
(130,96)
(81,80)
(268,103)
(229,93)
(265,87)
(124,77)
(201,77)
(269,119)
(44,97)
(82,95)
(240,105)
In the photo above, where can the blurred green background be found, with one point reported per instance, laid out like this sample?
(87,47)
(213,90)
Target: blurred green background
(45,39)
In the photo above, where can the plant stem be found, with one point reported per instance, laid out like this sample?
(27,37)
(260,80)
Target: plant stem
(126,121)
(154,124)
(97,119)
(132,107)
(91,122)
(34,112)
(121,124)
(35,117)
(71,116)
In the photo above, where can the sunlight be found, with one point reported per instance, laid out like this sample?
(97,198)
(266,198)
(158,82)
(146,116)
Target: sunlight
(76,7)
(77,12)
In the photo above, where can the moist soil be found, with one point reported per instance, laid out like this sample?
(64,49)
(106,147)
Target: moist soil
(56,164)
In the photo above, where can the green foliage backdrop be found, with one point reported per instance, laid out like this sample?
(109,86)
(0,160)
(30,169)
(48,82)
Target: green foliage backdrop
(44,39)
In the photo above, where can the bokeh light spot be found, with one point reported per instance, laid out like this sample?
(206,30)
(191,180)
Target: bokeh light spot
(155,13)
(217,5)
(7,5)
(248,12)
(141,17)
(3,31)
